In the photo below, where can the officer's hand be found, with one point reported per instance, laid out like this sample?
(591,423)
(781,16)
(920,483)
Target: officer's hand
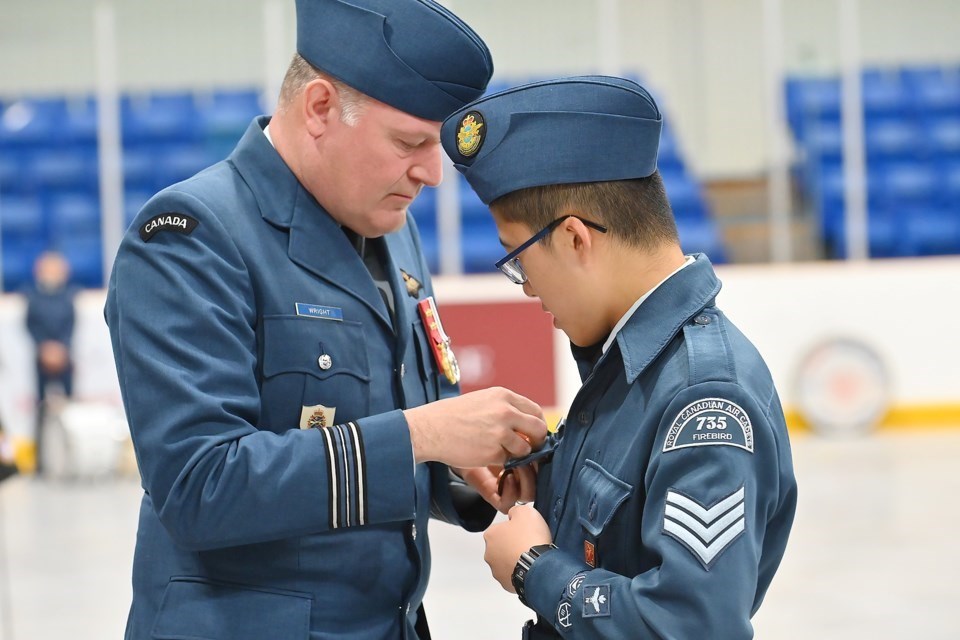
(476,429)
(507,540)
(521,485)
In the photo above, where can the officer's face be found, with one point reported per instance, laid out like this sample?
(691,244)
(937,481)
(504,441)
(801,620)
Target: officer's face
(557,275)
(377,167)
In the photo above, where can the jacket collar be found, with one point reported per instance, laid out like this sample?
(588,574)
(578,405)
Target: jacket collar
(663,314)
(317,242)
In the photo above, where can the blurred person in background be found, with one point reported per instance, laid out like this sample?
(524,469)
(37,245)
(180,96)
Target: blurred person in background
(290,391)
(50,321)
(665,509)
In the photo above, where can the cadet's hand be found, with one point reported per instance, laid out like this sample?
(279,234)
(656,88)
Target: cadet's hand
(521,485)
(507,540)
(476,429)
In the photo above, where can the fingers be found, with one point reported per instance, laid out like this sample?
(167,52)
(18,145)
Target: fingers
(526,479)
(515,445)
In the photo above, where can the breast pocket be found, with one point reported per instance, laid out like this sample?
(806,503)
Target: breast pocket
(599,495)
(427,365)
(310,363)
(197,609)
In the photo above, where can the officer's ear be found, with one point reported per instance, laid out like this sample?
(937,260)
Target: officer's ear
(320,99)
(575,235)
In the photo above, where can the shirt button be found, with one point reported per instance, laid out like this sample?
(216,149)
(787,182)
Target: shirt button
(325,361)
(584,417)
(403,370)
(556,507)
(408,608)
(413,531)
(702,320)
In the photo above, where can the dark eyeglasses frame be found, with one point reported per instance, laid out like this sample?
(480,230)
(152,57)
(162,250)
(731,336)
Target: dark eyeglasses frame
(510,265)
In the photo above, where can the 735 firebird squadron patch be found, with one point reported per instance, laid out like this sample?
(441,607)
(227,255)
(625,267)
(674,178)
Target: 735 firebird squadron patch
(710,421)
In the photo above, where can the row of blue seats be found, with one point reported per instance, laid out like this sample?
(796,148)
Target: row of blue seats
(888,139)
(893,92)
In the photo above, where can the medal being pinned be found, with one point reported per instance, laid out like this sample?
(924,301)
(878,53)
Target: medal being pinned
(439,341)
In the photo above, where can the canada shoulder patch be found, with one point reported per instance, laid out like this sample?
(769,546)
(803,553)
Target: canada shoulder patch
(167,222)
(710,421)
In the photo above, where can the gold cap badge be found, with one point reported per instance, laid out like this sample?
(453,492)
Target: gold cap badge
(470,134)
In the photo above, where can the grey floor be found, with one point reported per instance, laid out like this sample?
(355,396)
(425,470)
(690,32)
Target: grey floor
(874,553)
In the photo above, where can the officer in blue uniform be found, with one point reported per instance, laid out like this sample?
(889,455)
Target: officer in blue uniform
(291,394)
(665,509)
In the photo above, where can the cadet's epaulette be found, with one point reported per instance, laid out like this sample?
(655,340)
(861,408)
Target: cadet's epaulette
(708,352)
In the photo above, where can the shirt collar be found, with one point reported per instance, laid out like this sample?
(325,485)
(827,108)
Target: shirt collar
(636,305)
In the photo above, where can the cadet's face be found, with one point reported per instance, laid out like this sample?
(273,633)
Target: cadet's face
(554,277)
(378,167)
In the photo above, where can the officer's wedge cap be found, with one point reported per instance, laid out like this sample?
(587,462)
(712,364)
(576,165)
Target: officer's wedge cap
(413,55)
(569,130)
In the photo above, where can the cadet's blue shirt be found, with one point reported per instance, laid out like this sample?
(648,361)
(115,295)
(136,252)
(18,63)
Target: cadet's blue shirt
(674,473)
(238,312)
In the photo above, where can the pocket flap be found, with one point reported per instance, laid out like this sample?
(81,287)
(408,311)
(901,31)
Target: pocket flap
(197,609)
(295,344)
(599,495)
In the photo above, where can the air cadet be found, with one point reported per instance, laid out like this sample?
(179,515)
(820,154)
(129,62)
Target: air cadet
(288,383)
(665,509)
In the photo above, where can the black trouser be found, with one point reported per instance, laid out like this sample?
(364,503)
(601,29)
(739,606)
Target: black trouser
(422,628)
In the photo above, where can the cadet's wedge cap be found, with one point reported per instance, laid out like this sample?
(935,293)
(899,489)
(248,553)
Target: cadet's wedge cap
(414,55)
(569,130)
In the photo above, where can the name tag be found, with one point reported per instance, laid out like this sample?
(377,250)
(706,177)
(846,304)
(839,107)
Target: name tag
(316,311)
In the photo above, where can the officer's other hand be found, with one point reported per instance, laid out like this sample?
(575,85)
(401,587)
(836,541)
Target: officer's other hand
(476,429)
(519,486)
(507,540)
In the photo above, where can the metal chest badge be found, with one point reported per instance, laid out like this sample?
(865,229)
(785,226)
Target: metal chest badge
(439,342)
(470,134)
(316,416)
(413,285)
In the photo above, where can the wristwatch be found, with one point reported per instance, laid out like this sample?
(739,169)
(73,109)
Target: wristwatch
(523,566)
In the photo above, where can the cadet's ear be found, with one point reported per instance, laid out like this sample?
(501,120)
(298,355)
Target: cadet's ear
(576,235)
(320,98)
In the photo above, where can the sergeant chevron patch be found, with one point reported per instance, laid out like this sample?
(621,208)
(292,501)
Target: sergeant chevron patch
(705,531)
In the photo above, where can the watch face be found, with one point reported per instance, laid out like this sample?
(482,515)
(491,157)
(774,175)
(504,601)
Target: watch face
(842,387)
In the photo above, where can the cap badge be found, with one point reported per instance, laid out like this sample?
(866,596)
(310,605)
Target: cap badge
(470,134)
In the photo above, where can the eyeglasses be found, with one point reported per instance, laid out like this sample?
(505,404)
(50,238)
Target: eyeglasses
(510,263)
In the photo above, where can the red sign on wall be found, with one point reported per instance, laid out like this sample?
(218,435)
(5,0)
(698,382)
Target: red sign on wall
(503,344)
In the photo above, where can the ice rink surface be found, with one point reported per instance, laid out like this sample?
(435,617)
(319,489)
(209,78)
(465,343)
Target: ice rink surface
(873,555)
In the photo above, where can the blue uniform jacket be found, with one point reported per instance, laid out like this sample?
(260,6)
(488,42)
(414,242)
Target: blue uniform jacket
(237,308)
(673,479)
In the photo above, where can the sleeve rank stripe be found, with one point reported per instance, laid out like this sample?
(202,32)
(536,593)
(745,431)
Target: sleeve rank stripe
(332,464)
(361,474)
(705,515)
(348,475)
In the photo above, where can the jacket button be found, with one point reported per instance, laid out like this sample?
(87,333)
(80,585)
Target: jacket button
(702,320)
(413,531)
(325,361)
(403,369)
(592,511)
(584,417)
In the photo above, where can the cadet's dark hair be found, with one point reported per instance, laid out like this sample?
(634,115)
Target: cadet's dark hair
(635,211)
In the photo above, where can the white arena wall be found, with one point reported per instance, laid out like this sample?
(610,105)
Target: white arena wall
(908,311)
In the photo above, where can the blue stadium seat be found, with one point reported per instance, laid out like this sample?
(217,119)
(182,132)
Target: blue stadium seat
(701,236)
(942,137)
(133,201)
(72,216)
(226,114)
(884,94)
(160,117)
(929,231)
(893,138)
(21,218)
(686,198)
(481,248)
(65,168)
(424,209)
(139,168)
(32,122)
(85,256)
(80,122)
(12,178)
(471,207)
(179,162)
(903,184)
(811,100)
(18,259)
(934,89)
(669,158)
